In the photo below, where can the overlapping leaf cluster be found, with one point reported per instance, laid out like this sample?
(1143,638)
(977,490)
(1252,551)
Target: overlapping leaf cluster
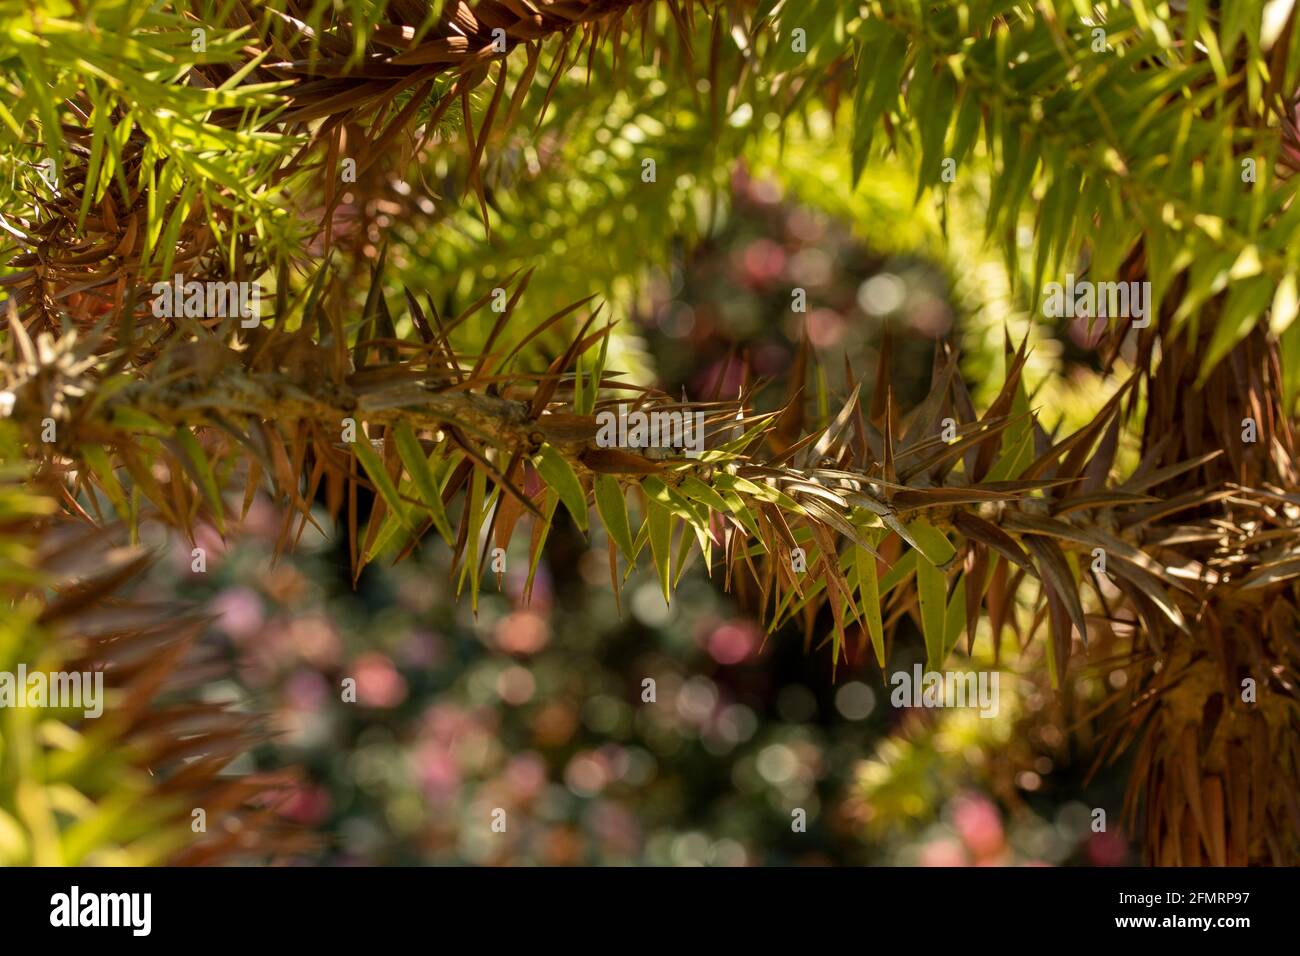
(121,789)
(406,413)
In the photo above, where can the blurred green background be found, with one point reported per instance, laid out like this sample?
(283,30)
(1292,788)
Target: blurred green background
(537,710)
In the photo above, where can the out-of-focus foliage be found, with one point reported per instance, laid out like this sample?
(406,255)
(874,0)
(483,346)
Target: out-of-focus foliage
(443,377)
(537,710)
(113,777)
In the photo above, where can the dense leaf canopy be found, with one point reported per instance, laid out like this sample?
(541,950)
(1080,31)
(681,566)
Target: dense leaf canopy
(449,208)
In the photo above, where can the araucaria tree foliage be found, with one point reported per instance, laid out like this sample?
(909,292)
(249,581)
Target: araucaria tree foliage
(374,257)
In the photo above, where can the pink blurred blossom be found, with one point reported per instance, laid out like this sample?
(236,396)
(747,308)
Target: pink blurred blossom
(523,632)
(762,261)
(1107,849)
(305,690)
(979,825)
(733,641)
(378,682)
(240,612)
(313,639)
(587,774)
(308,805)
(944,852)
(526,775)
(437,772)
(825,328)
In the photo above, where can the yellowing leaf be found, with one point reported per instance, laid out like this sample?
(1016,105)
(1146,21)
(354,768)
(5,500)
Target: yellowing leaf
(1286,303)
(659,521)
(612,508)
(378,475)
(955,618)
(204,478)
(864,564)
(931,542)
(417,466)
(97,459)
(932,593)
(559,476)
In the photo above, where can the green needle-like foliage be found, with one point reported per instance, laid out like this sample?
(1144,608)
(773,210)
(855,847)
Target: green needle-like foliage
(449,208)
